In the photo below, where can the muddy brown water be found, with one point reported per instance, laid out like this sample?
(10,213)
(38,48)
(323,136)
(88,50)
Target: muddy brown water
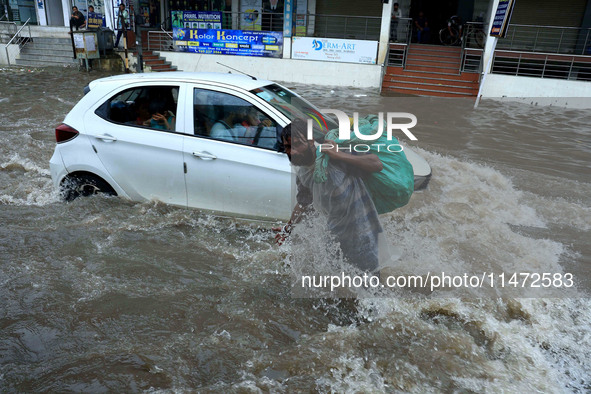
(107,295)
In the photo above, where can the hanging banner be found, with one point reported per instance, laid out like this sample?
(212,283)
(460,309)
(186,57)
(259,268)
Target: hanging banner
(502,17)
(288,17)
(229,42)
(196,19)
(334,50)
(251,14)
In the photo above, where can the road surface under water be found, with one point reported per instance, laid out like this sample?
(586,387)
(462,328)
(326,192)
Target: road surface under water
(103,294)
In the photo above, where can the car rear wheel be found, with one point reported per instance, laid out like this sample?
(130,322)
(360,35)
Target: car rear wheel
(83,185)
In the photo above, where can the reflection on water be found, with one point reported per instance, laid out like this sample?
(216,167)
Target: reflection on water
(106,295)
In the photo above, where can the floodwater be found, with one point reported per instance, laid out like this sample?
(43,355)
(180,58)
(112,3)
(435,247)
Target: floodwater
(106,295)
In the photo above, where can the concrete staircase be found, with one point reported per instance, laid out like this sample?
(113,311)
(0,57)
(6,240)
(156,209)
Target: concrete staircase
(152,59)
(155,62)
(45,51)
(431,70)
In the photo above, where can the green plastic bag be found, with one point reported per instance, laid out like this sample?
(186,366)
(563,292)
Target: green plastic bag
(390,188)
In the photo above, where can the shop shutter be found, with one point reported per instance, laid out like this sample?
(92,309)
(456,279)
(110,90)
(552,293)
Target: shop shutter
(328,25)
(549,12)
(349,7)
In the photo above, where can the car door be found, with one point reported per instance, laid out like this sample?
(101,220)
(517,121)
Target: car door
(143,156)
(230,169)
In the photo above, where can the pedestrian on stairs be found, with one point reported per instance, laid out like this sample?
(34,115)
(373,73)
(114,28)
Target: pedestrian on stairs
(122,23)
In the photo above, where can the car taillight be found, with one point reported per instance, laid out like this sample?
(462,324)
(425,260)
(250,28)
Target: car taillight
(65,133)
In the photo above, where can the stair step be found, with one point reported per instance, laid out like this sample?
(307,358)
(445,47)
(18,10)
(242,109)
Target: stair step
(433,69)
(432,86)
(430,80)
(465,76)
(50,58)
(156,61)
(429,92)
(52,41)
(33,63)
(165,70)
(432,56)
(52,47)
(434,48)
(149,57)
(63,52)
(434,63)
(160,66)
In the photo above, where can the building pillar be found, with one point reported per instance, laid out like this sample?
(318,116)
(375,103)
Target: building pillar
(67,11)
(491,42)
(488,53)
(385,32)
(288,24)
(236,17)
(310,18)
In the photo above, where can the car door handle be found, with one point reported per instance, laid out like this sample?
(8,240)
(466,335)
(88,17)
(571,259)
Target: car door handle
(106,137)
(205,155)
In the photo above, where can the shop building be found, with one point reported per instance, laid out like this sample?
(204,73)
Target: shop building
(332,42)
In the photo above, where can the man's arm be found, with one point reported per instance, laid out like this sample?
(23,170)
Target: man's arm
(302,207)
(368,163)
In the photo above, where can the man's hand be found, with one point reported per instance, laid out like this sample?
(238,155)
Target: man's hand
(282,233)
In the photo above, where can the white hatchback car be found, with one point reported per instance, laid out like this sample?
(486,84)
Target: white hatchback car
(200,140)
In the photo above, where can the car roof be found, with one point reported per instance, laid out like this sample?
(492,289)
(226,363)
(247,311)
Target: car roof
(236,80)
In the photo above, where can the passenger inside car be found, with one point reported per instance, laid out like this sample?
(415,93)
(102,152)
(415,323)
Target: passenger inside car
(228,127)
(161,117)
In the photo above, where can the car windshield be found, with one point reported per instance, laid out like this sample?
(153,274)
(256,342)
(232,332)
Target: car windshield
(293,106)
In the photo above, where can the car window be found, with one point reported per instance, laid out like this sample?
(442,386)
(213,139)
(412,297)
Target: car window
(225,117)
(146,106)
(293,106)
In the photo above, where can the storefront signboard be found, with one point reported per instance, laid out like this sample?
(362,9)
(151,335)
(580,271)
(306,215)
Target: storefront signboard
(95,20)
(196,19)
(502,17)
(229,42)
(334,50)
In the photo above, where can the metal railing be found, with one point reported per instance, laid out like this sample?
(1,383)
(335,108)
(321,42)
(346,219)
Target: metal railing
(399,42)
(473,41)
(316,25)
(162,29)
(18,41)
(343,26)
(263,21)
(542,65)
(547,39)
(160,41)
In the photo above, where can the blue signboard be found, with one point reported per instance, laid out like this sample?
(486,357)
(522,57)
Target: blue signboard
(196,19)
(502,16)
(229,42)
(95,20)
(288,15)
